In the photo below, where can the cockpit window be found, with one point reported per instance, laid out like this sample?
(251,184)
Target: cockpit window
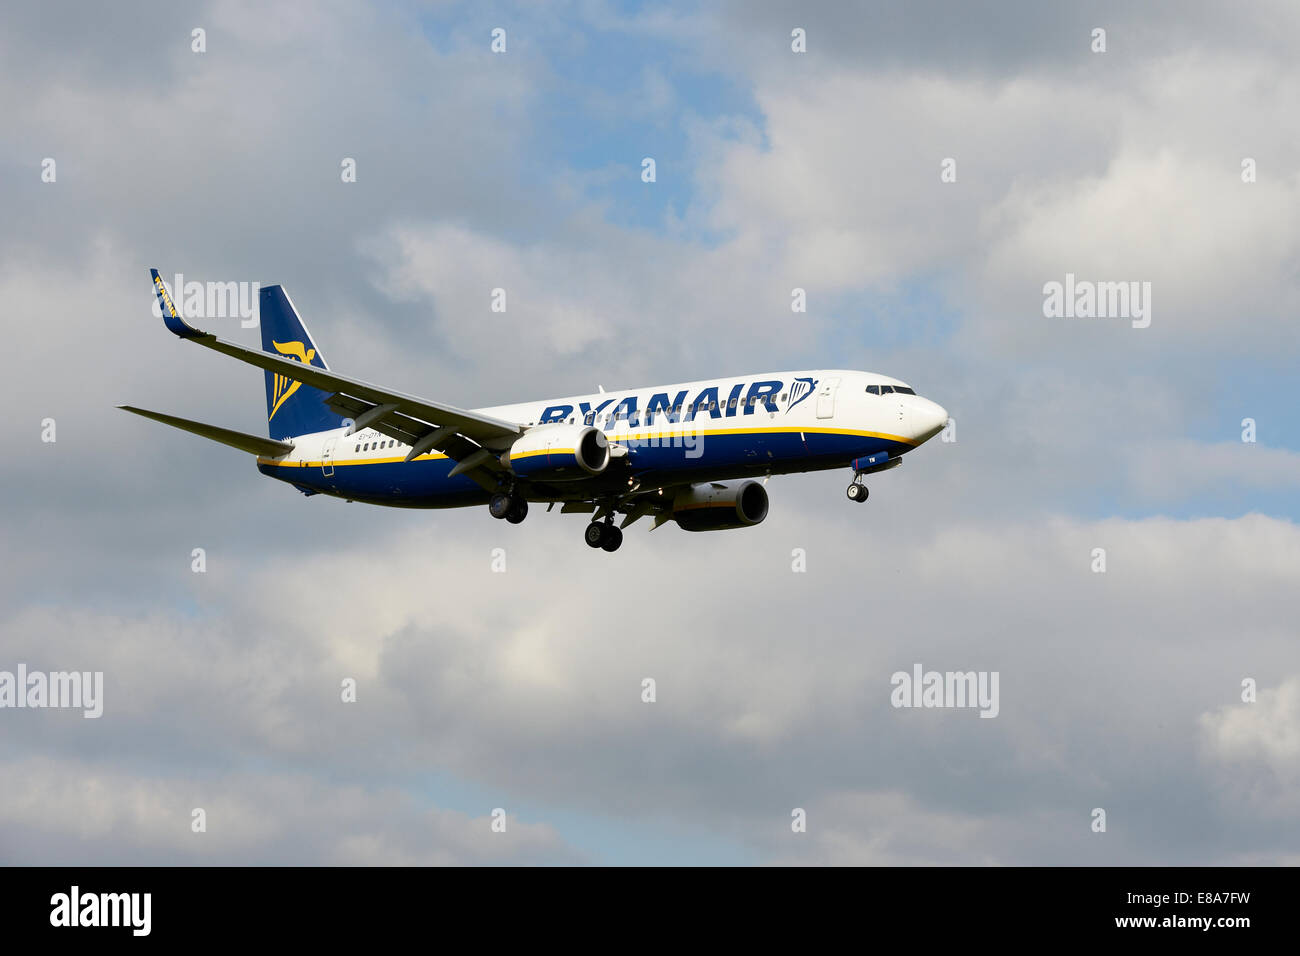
(886,389)
(904,389)
(873,389)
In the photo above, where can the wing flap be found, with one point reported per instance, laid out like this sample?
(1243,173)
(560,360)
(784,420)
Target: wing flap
(415,433)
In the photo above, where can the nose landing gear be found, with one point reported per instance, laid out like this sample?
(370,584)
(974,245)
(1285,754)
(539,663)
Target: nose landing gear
(857,492)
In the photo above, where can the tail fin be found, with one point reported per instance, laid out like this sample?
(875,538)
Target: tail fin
(292,408)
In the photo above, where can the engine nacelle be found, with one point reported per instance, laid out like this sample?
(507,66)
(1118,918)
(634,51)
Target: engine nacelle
(715,506)
(558,453)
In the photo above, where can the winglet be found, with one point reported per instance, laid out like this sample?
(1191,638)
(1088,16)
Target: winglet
(175,323)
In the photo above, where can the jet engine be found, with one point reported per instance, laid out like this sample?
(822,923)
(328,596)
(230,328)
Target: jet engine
(715,506)
(558,453)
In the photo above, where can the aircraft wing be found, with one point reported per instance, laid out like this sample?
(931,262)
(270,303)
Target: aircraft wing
(467,437)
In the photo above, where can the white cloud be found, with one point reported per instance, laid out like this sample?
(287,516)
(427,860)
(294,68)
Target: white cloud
(1253,750)
(528,683)
(81,813)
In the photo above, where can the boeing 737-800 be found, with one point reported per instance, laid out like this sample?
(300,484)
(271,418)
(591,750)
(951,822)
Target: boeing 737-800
(688,453)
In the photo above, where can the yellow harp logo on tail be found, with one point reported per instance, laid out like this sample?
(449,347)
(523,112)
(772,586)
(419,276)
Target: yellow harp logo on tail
(282,385)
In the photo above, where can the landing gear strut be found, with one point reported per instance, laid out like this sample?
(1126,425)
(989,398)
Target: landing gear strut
(857,492)
(603,535)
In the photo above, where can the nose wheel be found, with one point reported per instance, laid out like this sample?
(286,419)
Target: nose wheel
(857,492)
(603,535)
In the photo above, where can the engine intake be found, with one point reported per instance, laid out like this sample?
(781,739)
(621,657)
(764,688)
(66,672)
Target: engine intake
(559,453)
(716,506)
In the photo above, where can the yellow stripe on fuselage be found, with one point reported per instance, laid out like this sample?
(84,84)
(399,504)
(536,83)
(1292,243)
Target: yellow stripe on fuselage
(698,434)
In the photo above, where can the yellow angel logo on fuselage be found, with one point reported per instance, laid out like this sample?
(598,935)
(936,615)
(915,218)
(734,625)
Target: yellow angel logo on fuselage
(283,386)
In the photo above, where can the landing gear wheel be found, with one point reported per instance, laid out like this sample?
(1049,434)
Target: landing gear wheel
(594,535)
(518,511)
(613,538)
(857,492)
(500,504)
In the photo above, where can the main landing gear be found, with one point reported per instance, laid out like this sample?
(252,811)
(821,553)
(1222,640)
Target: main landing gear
(512,507)
(857,492)
(603,534)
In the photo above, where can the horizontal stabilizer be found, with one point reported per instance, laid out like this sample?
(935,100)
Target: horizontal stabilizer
(253,444)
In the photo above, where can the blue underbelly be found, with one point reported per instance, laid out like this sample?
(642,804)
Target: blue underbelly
(426,483)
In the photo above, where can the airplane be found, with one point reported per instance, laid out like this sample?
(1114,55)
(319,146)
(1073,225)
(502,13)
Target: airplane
(690,453)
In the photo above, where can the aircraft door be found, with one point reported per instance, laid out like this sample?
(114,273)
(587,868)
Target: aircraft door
(826,398)
(327,457)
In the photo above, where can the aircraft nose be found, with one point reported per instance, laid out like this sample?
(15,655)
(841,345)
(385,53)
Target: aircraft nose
(927,418)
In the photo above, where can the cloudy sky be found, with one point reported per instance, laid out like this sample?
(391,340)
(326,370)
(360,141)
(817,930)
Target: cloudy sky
(521,690)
